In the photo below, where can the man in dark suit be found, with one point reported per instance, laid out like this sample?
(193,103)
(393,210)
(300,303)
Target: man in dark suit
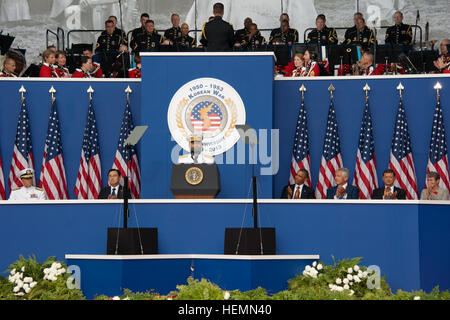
(217,35)
(343,190)
(389,191)
(113,190)
(299,190)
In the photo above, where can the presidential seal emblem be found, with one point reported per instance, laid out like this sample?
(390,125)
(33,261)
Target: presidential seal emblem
(194,176)
(209,108)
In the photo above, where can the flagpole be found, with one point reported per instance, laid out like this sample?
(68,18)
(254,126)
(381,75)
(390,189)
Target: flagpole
(438,87)
(22,93)
(126,213)
(367,89)
(400,88)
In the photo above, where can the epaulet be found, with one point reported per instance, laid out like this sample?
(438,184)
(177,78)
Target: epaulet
(37,188)
(184,156)
(15,189)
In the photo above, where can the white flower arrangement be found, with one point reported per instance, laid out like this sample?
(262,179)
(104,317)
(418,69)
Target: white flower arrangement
(23,285)
(52,273)
(354,275)
(312,271)
(226,295)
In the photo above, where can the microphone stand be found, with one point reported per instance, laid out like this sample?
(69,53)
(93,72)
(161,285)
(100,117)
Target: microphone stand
(415,29)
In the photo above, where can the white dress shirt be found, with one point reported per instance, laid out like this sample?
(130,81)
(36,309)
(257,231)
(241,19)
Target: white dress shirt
(300,188)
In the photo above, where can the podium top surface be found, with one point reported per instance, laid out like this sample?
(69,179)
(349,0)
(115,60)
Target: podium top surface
(190,256)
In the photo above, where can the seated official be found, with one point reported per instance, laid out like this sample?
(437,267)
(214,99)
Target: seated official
(322,35)
(196,155)
(389,191)
(399,33)
(299,190)
(343,190)
(27,191)
(9,67)
(114,190)
(433,191)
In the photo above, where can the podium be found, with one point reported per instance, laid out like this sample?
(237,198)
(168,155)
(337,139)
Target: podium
(195,181)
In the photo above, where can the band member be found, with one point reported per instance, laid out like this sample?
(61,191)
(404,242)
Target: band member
(240,34)
(83,71)
(96,70)
(311,68)
(254,39)
(185,39)
(47,68)
(150,40)
(399,33)
(285,33)
(361,34)
(110,40)
(138,31)
(174,32)
(9,66)
(27,191)
(196,154)
(322,35)
(217,35)
(135,72)
(364,67)
(118,31)
(60,70)
(299,64)
(443,62)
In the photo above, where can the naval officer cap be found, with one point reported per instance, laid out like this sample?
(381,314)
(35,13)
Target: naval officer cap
(26,173)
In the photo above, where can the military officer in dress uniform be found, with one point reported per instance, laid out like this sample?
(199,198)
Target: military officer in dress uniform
(285,34)
(217,34)
(361,34)
(138,31)
(28,191)
(174,32)
(196,155)
(150,40)
(322,35)
(118,31)
(110,40)
(399,33)
(240,34)
(185,39)
(254,39)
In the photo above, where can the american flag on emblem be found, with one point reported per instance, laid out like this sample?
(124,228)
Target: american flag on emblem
(438,158)
(401,158)
(127,161)
(2,182)
(366,169)
(89,179)
(206,116)
(53,175)
(300,154)
(331,156)
(23,150)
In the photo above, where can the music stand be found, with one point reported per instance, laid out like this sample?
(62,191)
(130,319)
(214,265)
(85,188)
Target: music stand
(311,47)
(407,64)
(78,48)
(5,43)
(388,53)
(281,51)
(342,54)
(423,60)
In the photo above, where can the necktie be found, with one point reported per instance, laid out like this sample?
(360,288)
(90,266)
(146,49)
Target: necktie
(297,193)
(113,193)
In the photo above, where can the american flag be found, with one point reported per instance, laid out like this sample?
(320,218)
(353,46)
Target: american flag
(401,158)
(438,159)
(126,161)
(89,179)
(300,154)
(23,150)
(53,175)
(2,182)
(366,169)
(331,156)
(206,117)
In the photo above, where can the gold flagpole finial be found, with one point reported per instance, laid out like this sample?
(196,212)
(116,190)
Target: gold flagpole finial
(367,89)
(438,87)
(22,91)
(302,90)
(90,91)
(52,92)
(400,88)
(128,91)
(331,89)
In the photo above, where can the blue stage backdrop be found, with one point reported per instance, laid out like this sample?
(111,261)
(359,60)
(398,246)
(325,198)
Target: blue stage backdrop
(419,99)
(72,99)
